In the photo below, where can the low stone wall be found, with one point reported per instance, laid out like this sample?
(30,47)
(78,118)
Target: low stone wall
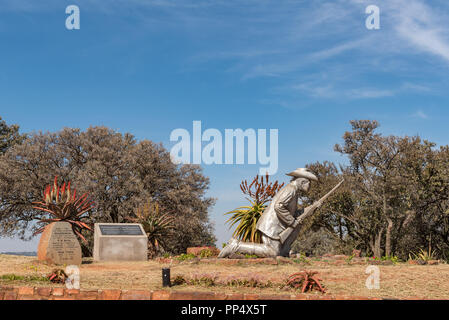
(43,293)
(339,261)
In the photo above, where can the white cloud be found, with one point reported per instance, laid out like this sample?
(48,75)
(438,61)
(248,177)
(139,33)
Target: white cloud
(338,49)
(423,27)
(294,41)
(420,114)
(363,93)
(316,90)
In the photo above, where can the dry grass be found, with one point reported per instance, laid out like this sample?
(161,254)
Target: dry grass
(397,282)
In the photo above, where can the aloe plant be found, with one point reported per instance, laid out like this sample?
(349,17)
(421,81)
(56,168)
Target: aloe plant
(64,206)
(156,225)
(57,276)
(423,255)
(246,217)
(306,281)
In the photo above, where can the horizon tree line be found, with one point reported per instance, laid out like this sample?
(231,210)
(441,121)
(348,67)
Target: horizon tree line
(395,199)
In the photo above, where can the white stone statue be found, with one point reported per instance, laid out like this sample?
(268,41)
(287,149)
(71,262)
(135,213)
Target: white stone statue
(281,221)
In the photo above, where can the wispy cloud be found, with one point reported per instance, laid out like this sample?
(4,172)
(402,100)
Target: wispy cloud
(367,93)
(292,42)
(423,26)
(420,115)
(326,88)
(332,36)
(338,49)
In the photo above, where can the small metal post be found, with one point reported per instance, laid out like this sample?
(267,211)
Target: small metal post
(166,277)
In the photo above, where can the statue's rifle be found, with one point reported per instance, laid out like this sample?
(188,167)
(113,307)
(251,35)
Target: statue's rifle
(308,212)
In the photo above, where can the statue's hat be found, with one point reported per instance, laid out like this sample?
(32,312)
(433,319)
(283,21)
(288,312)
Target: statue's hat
(303,173)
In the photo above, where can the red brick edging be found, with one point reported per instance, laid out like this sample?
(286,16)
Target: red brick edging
(44,293)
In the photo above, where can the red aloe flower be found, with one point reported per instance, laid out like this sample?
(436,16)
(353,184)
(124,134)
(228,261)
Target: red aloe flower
(61,206)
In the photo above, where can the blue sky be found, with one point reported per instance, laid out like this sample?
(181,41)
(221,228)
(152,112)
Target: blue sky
(303,67)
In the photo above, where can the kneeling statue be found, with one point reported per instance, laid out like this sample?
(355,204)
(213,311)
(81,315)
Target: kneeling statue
(281,221)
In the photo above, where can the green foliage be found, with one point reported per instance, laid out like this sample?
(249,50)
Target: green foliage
(393,259)
(302,259)
(14,277)
(157,226)
(185,256)
(179,280)
(423,255)
(203,280)
(206,253)
(119,171)
(397,191)
(252,282)
(245,217)
(210,280)
(374,258)
(350,258)
(315,242)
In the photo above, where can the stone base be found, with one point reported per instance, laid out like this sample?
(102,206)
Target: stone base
(120,247)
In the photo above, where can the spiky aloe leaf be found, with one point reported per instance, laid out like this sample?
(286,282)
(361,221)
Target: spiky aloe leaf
(62,206)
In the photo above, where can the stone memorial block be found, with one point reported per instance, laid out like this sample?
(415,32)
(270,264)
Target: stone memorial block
(59,245)
(120,242)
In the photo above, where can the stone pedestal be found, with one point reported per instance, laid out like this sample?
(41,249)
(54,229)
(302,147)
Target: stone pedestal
(59,245)
(120,242)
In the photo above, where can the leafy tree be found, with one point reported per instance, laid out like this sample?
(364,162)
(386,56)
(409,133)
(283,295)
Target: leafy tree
(9,136)
(117,171)
(337,222)
(395,199)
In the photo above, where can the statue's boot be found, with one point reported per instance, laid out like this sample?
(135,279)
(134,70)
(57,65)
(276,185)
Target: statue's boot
(231,247)
(261,250)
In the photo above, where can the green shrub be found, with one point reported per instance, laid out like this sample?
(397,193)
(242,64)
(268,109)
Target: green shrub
(302,259)
(423,255)
(185,256)
(316,243)
(203,280)
(393,259)
(179,280)
(14,277)
(350,258)
(206,253)
(249,283)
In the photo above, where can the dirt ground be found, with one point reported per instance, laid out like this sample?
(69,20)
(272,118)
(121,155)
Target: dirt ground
(400,281)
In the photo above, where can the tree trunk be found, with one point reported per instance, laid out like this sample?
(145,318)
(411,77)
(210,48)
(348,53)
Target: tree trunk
(388,237)
(340,229)
(377,250)
(389,226)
